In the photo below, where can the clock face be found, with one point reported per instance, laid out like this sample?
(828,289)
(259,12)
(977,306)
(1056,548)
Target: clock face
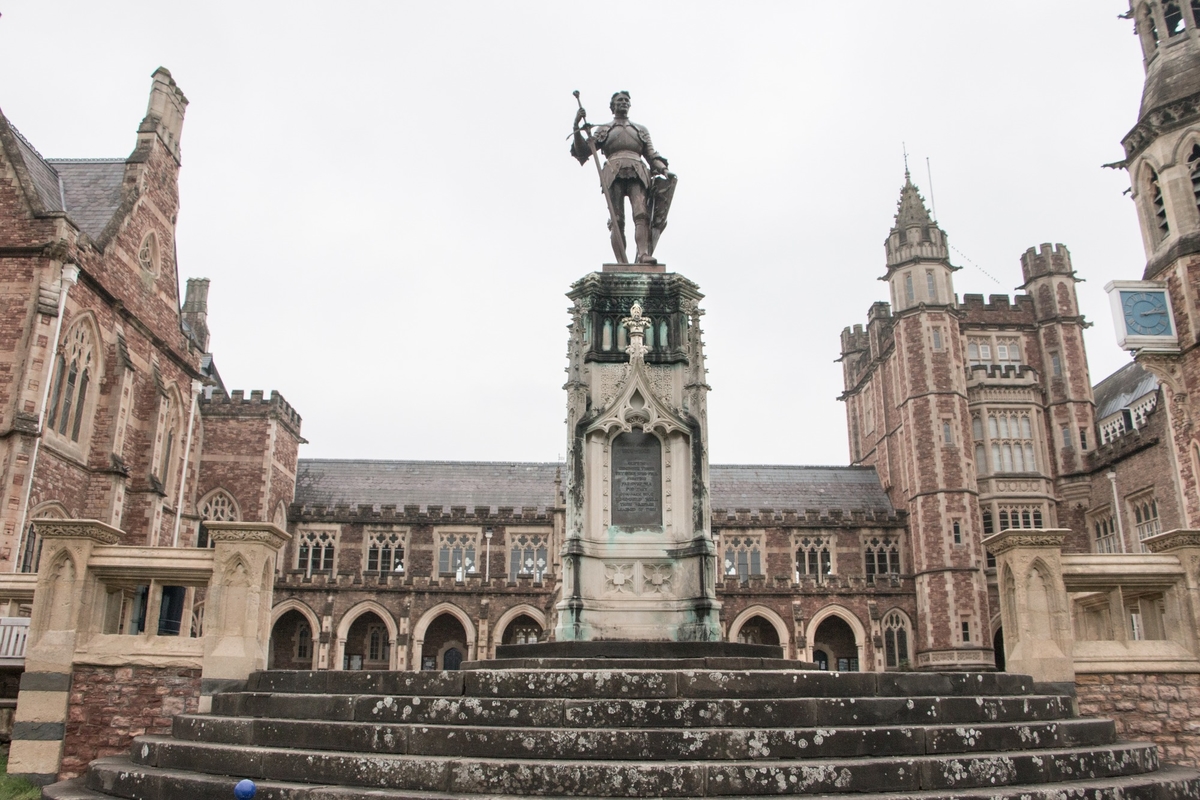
(1146,313)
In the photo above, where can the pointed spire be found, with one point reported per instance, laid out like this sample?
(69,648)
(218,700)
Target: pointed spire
(911,210)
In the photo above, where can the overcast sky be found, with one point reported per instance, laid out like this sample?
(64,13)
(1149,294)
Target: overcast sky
(382,196)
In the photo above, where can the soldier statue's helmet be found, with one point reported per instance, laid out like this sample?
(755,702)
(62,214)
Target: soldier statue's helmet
(613,100)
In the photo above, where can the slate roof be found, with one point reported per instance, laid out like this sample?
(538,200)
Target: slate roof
(1122,388)
(93,190)
(88,189)
(796,488)
(330,482)
(45,179)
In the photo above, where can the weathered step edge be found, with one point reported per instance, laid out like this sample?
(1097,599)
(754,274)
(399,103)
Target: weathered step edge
(621,682)
(644,744)
(652,713)
(481,776)
(1169,783)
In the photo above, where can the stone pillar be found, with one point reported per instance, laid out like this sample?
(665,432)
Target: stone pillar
(1034,610)
(237,614)
(1185,545)
(66,610)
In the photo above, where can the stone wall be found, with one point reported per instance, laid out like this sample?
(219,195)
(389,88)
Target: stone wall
(1163,708)
(109,706)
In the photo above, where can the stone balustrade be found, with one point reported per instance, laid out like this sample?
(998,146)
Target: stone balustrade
(112,625)
(1123,629)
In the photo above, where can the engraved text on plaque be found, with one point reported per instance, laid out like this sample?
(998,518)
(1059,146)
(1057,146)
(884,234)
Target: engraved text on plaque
(636,479)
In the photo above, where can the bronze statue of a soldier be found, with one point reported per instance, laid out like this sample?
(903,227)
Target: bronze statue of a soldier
(633,169)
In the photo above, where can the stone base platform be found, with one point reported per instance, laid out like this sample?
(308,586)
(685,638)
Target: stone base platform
(644,650)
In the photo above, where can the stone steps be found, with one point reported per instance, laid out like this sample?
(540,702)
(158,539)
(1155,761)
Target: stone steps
(556,733)
(635,744)
(623,713)
(1168,783)
(613,682)
(301,775)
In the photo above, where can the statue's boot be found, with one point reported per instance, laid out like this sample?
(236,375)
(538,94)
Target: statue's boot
(641,235)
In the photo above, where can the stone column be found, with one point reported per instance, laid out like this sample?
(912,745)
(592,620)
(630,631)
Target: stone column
(66,610)
(237,614)
(1034,610)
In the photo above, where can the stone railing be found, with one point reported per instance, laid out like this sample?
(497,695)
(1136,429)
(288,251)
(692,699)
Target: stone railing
(112,628)
(1122,629)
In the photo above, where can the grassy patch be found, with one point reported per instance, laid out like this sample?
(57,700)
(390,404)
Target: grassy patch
(15,788)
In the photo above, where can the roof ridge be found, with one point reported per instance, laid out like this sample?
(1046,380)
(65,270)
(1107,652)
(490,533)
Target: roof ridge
(26,142)
(795,466)
(83,160)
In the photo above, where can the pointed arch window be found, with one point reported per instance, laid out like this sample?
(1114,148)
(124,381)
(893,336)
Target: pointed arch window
(73,375)
(1158,206)
(895,640)
(217,507)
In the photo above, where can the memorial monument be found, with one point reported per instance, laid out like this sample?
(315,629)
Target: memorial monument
(639,559)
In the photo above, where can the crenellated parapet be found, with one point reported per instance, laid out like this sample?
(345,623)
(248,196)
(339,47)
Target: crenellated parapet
(258,404)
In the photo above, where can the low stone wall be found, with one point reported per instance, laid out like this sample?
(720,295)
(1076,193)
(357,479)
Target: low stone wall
(109,706)
(1159,707)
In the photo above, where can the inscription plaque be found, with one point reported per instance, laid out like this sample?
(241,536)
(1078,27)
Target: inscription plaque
(637,479)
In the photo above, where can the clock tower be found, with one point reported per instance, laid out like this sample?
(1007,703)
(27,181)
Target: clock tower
(1158,317)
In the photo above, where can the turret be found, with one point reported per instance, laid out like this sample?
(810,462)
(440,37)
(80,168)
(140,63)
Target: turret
(918,256)
(1162,152)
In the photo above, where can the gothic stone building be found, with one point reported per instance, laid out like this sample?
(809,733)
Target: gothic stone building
(110,407)
(965,417)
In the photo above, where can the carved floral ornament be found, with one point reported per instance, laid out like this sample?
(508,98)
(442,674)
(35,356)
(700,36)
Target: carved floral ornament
(1003,542)
(263,532)
(637,405)
(92,529)
(1172,540)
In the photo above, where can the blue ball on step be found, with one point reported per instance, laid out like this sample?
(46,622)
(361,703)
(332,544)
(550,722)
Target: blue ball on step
(244,790)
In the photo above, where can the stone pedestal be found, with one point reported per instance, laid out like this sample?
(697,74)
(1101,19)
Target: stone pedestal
(1034,609)
(639,559)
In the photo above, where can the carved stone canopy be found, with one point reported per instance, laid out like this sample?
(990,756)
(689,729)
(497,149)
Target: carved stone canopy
(264,532)
(92,529)
(1011,539)
(1172,540)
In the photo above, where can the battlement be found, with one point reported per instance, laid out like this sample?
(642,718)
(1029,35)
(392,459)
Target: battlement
(420,514)
(1050,260)
(808,518)
(237,404)
(855,340)
(1016,373)
(1000,309)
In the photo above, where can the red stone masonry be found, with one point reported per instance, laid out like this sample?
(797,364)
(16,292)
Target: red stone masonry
(1163,708)
(109,706)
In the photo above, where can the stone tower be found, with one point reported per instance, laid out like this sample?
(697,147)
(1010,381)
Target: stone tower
(909,417)
(1162,155)
(639,560)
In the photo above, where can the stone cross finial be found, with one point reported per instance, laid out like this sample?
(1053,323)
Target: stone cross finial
(637,324)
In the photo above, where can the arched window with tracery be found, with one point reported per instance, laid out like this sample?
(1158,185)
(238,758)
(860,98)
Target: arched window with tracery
(1010,436)
(895,640)
(73,375)
(217,507)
